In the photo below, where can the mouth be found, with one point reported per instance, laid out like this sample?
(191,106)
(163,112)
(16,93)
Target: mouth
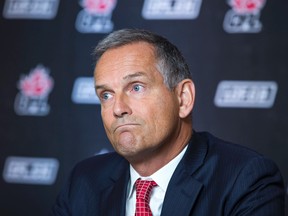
(124,126)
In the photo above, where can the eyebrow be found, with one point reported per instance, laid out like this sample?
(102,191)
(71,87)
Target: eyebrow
(131,76)
(128,77)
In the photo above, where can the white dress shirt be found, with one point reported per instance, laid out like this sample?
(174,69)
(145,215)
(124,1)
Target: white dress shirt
(161,177)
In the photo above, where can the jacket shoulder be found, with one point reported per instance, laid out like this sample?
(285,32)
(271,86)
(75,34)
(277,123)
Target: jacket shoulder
(99,169)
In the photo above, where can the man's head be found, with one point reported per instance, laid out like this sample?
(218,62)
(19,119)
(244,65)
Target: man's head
(170,62)
(146,117)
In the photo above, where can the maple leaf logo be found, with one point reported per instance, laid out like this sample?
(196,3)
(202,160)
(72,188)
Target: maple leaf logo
(247,6)
(99,6)
(37,84)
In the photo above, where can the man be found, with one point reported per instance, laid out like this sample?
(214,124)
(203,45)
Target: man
(147,97)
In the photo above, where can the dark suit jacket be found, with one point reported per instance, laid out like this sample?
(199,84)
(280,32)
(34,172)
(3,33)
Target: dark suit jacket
(213,178)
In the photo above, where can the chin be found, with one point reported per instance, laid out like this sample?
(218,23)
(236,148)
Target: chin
(129,154)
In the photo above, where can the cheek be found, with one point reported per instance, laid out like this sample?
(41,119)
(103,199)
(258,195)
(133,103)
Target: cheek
(170,110)
(162,113)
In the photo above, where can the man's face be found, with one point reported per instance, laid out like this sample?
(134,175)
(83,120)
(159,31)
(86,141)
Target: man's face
(140,114)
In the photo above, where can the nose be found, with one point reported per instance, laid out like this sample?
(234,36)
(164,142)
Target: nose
(121,106)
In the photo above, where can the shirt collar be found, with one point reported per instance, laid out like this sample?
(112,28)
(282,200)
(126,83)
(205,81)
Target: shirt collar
(161,176)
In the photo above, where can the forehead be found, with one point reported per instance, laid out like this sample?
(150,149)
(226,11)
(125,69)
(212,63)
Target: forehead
(135,56)
(132,47)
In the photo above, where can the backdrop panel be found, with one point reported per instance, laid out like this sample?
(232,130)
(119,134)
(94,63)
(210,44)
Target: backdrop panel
(49,114)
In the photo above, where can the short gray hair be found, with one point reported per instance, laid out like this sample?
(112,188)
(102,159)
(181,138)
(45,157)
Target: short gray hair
(171,62)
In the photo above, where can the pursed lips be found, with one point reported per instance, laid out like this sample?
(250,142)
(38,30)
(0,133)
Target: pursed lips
(123,126)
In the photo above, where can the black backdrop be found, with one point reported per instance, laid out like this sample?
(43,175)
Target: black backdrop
(49,116)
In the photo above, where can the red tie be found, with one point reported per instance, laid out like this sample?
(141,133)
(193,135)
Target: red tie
(143,191)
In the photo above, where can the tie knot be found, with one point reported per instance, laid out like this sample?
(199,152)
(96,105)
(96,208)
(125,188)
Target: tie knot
(144,188)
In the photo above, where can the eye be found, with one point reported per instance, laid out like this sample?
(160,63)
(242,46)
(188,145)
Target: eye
(137,88)
(106,96)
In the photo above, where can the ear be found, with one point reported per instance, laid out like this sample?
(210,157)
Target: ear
(186,96)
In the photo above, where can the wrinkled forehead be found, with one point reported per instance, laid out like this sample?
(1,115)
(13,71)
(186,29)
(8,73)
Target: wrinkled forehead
(139,54)
(99,53)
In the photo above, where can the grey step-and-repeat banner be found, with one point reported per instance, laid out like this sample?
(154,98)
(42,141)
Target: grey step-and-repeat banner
(50,119)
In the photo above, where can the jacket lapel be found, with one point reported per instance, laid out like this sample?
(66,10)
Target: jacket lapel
(180,198)
(114,197)
(183,189)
